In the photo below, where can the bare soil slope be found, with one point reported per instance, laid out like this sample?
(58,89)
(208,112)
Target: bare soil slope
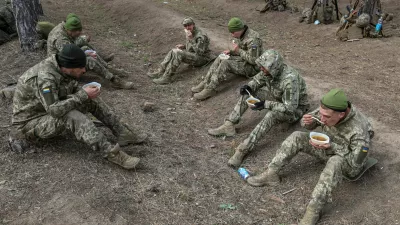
(184,177)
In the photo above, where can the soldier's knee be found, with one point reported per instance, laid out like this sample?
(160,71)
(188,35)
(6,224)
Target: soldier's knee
(298,135)
(176,51)
(76,116)
(335,161)
(90,63)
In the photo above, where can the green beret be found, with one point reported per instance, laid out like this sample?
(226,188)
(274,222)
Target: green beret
(336,100)
(73,23)
(187,21)
(71,56)
(235,24)
(71,15)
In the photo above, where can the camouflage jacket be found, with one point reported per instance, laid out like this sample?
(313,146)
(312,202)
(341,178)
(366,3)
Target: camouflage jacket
(44,89)
(58,37)
(284,84)
(250,46)
(349,137)
(199,44)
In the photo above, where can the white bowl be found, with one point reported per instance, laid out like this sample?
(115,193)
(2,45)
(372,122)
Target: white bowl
(92,84)
(223,56)
(251,100)
(319,135)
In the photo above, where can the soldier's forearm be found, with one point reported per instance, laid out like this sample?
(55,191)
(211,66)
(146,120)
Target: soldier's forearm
(60,108)
(247,57)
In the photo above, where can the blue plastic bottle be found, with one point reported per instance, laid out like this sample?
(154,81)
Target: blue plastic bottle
(378,26)
(244,174)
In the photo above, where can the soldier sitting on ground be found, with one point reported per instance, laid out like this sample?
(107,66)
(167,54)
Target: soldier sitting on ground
(247,47)
(276,81)
(346,154)
(195,52)
(69,32)
(47,102)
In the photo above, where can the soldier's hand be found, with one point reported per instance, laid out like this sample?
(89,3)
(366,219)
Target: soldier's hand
(227,52)
(245,90)
(235,48)
(258,106)
(92,54)
(92,91)
(180,46)
(307,119)
(323,146)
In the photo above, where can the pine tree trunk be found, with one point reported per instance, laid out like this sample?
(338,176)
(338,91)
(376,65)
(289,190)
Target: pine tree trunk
(373,8)
(26,14)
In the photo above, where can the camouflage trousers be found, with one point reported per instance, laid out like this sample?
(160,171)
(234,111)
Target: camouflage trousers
(98,66)
(176,56)
(270,119)
(219,70)
(336,166)
(78,124)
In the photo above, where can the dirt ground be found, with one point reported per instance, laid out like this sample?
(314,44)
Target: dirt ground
(184,177)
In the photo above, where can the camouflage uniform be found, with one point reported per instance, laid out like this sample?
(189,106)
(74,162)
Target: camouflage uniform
(345,157)
(47,103)
(196,53)
(287,89)
(58,37)
(250,48)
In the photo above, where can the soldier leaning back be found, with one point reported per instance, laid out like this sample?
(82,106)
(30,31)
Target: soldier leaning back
(346,154)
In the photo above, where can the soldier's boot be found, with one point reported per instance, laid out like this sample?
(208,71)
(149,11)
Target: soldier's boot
(127,137)
(108,58)
(240,152)
(122,159)
(165,79)
(199,87)
(7,92)
(226,129)
(311,216)
(268,177)
(18,142)
(204,94)
(117,82)
(156,74)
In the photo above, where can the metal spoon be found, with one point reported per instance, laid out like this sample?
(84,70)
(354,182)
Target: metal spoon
(319,121)
(249,93)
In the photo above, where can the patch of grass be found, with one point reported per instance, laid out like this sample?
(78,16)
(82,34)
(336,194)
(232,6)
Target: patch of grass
(127,44)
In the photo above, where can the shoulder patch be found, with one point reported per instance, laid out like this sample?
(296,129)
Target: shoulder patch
(48,95)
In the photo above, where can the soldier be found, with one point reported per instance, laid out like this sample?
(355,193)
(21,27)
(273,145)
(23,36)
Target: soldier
(277,81)
(69,32)
(47,102)
(350,135)
(196,53)
(247,47)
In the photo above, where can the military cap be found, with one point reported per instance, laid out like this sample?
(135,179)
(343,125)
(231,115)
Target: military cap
(336,100)
(187,21)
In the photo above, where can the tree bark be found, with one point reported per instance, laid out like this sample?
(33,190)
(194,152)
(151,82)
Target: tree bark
(373,8)
(27,14)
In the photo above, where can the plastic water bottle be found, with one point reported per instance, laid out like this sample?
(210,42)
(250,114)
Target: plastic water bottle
(244,174)
(378,26)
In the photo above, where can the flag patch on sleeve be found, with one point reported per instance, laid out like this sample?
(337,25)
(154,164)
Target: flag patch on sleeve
(46,90)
